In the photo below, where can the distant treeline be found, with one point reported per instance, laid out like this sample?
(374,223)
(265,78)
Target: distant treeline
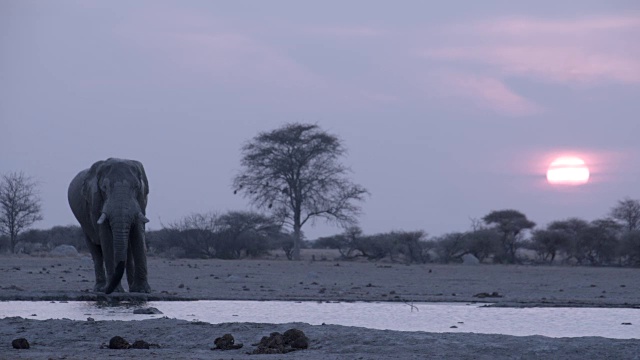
(504,236)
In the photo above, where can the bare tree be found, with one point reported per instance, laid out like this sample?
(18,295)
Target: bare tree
(627,211)
(19,205)
(294,172)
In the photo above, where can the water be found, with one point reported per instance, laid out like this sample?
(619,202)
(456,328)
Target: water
(430,317)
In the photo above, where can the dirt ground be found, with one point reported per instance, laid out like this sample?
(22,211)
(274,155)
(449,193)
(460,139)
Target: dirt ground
(42,278)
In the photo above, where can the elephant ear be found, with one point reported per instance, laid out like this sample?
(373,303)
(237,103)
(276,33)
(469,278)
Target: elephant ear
(144,184)
(91,191)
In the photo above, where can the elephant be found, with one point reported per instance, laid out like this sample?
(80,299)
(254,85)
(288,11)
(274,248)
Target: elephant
(109,201)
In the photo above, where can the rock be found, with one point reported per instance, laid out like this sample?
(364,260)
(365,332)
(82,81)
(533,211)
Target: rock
(226,342)
(140,344)
(272,344)
(118,342)
(494,294)
(276,343)
(90,319)
(147,311)
(20,343)
(469,259)
(296,339)
(64,251)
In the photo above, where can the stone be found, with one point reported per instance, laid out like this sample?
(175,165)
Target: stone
(118,342)
(296,339)
(20,343)
(494,294)
(276,343)
(147,311)
(226,342)
(140,344)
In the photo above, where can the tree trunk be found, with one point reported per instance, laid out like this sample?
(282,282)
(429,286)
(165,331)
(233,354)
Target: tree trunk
(295,253)
(14,242)
(297,234)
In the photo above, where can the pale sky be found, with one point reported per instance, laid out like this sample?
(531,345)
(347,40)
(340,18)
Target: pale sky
(448,109)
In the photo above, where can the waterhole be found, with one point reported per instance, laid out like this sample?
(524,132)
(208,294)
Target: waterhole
(431,317)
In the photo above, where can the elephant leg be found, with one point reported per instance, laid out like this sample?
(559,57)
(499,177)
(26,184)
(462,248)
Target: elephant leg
(140,283)
(106,239)
(130,267)
(98,265)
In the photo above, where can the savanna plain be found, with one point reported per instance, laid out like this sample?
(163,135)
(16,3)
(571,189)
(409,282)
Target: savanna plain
(71,279)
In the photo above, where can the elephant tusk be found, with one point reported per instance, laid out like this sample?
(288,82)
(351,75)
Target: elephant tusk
(142,218)
(102,218)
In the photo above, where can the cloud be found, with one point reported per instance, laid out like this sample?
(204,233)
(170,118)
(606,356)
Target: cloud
(238,58)
(568,52)
(518,26)
(186,45)
(562,64)
(590,51)
(487,92)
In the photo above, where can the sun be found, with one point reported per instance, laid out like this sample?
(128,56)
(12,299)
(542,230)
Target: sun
(568,170)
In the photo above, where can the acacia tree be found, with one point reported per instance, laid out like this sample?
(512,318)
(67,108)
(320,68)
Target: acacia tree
(19,205)
(627,211)
(294,172)
(509,223)
(575,244)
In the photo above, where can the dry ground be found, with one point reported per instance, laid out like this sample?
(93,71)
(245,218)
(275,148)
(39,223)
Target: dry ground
(36,278)
(33,278)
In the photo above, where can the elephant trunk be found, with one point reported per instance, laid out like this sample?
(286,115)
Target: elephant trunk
(120,231)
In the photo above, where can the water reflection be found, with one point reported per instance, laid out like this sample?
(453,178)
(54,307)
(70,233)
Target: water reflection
(431,317)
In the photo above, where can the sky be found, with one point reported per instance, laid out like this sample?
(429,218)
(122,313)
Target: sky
(449,110)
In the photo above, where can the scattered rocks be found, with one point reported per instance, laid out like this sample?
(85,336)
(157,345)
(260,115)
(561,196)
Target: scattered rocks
(20,343)
(482,295)
(276,343)
(90,319)
(117,342)
(147,311)
(140,344)
(626,323)
(296,339)
(226,342)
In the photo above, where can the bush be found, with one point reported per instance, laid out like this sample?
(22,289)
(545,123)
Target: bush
(451,247)
(57,235)
(629,250)
(233,235)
